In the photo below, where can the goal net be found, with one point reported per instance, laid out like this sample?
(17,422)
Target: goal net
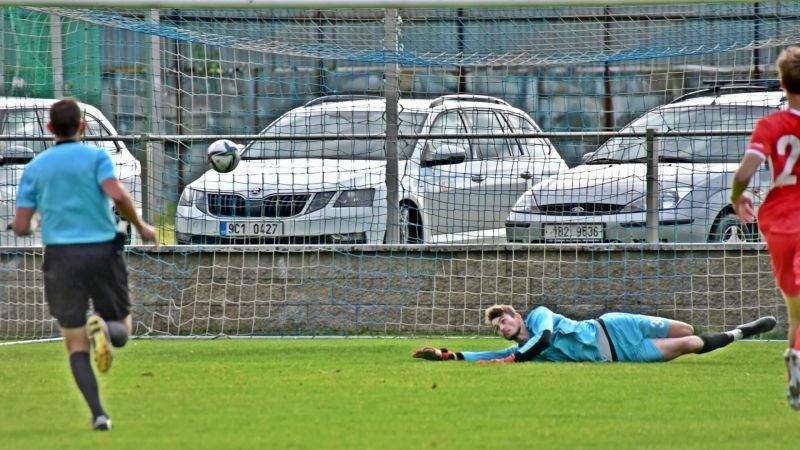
(404,169)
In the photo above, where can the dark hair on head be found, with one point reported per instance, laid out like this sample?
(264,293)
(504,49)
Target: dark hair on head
(789,69)
(65,117)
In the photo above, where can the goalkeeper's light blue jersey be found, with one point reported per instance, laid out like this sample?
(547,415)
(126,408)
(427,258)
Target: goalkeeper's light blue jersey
(571,340)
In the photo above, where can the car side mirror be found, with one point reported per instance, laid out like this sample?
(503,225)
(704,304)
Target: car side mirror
(586,157)
(445,154)
(16,154)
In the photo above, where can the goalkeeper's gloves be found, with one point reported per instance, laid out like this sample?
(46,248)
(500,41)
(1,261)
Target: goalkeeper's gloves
(433,354)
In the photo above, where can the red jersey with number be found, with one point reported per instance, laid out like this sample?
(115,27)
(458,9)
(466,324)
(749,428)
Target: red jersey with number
(777,137)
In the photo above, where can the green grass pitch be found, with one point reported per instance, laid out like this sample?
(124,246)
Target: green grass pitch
(369,394)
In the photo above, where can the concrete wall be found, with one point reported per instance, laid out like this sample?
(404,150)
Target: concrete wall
(427,290)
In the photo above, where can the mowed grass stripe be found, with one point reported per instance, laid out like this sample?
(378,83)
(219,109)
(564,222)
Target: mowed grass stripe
(346,394)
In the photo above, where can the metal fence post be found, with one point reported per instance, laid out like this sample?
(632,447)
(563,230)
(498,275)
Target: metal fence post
(56,46)
(156,159)
(148,187)
(652,194)
(392,95)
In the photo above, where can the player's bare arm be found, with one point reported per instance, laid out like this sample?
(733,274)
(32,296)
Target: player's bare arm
(742,203)
(124,203)
(442,354)
(23,221)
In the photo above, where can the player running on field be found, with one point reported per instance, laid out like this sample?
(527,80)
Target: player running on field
(70,185)
(547,336)
(777,138)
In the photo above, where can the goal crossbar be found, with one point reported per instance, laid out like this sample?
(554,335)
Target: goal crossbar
(251,4)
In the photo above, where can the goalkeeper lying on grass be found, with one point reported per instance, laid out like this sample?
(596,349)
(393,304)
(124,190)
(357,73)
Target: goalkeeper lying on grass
(546,336)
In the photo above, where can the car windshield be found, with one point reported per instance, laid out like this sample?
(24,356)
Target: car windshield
(27,123)
(23,123)
(700,149)
(334,123)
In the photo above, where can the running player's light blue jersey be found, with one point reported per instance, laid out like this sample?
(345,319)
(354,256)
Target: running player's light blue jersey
(570,340)
(63,183)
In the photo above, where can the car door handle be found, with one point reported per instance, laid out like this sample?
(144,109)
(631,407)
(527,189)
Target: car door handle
(526,175)
(477,178)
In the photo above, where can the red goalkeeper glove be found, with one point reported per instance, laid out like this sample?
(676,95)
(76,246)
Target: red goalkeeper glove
(433,354)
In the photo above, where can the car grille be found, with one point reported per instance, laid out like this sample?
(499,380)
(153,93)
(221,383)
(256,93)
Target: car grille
(273,206)
(580,209)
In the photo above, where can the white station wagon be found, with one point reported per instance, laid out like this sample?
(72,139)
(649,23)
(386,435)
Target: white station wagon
(333,191)
(27,117)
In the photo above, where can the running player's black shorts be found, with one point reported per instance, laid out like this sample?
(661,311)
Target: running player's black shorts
(74,273)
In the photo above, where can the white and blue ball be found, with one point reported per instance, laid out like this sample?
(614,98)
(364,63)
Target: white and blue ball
(223,155)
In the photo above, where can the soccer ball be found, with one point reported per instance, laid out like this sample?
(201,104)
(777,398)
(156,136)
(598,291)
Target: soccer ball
(223,155)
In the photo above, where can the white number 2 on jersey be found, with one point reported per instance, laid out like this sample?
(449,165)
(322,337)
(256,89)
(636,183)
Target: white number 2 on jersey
(786,177)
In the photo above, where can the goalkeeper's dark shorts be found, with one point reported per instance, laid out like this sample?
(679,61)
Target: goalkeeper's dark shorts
(75,273)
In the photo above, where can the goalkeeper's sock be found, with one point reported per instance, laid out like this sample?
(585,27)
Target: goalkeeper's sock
(86,381)
(737,334)
(715,341)
(117,333)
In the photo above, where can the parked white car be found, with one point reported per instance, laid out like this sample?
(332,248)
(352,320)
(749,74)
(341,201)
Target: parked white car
(333,191)
(603,200)
(27,117)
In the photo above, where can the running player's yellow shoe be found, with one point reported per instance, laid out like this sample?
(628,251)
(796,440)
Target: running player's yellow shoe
(100,343)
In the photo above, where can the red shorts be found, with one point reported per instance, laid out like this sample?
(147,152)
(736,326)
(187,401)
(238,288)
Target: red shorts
(784,251)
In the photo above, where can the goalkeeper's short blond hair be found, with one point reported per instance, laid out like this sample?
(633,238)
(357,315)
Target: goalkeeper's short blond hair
(496,311)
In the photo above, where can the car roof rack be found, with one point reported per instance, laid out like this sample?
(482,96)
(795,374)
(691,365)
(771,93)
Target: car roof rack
(468,97)
(732,88)
(341,98)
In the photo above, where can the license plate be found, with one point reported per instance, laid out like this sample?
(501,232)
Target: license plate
(250,228)
(574,232)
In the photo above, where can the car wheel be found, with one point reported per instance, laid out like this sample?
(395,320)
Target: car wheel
(410,224)
(728,228)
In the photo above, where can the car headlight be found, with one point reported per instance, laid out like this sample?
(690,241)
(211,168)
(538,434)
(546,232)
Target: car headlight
(668,199)
(321,199)
(191,196)
(637,205)
(187,197)
(526,204)
(354,198)
(671,197)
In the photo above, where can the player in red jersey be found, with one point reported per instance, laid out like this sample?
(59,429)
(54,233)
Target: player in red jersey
(776,138)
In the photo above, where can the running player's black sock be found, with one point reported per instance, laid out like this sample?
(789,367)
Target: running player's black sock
(118,333)
(715,341)
(87,383)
